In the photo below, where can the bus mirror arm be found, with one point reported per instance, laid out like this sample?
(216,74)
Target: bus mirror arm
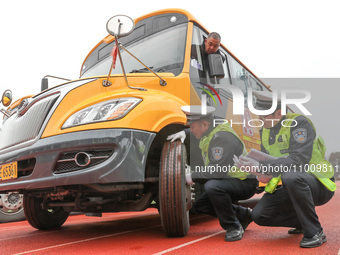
(119,26)
(44,81)
(4,112)
(119,45)
(162,82)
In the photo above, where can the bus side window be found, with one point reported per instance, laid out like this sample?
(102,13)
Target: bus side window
(197,72)
(254,84)
(240,77)
(226,79)
(196,60)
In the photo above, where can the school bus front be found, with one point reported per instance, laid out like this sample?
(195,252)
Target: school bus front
(98,144)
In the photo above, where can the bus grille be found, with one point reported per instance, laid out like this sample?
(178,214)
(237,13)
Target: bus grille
(19,129)
(67,161)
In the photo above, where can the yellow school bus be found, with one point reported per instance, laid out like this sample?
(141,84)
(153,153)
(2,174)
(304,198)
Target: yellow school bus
(98,144)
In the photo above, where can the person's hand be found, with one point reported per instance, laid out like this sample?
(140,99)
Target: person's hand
(250,165)
(246,164)
(188,179)
(237,162)
(180,135)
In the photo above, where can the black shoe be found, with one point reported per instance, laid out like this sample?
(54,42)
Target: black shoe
(295,231)
(234,234)
(247,219)
(317,240)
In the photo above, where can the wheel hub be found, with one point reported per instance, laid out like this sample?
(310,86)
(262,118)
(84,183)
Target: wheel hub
(11,202)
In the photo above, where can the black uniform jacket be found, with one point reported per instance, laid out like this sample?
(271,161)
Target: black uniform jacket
(223,146)
(300,148)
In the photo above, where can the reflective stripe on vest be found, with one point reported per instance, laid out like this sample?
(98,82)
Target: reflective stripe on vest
(205,143)
(318,166)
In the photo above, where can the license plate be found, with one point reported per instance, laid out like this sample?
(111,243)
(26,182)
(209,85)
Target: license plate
(9,171)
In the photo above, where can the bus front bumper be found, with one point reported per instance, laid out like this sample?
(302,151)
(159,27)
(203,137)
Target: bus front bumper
(115,155)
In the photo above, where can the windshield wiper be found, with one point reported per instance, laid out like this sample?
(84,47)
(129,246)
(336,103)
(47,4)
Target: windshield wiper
(147,70)
(142,70)
(162,82)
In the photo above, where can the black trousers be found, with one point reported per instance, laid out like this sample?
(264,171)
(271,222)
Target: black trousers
(219,195)
(293,205)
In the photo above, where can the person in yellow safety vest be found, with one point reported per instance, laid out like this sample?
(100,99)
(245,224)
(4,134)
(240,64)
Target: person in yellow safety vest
(307,178)
(224,184)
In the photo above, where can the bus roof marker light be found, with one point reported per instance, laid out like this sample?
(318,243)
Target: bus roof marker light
(173,19)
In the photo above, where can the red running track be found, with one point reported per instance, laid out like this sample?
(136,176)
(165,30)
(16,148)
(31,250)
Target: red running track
(141,233)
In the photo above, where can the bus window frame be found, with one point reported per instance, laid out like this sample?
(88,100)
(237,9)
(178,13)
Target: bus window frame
(229,57)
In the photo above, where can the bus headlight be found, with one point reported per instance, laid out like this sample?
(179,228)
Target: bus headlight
(104,111)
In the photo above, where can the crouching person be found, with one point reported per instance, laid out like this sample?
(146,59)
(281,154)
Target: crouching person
(297,151)
(224,183)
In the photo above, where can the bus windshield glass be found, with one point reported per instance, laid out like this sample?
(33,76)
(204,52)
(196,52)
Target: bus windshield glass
(162,52)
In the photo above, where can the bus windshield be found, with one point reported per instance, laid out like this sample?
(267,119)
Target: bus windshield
(162,52)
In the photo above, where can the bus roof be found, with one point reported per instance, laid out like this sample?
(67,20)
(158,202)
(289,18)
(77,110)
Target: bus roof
(191,18)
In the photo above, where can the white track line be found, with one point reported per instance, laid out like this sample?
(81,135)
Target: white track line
(116,234)
(4,229)
(188,243)
(85,240)
(74,223)
(71,221)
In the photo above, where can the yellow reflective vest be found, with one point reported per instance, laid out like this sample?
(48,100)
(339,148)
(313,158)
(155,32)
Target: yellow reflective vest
(205,143)
(318,166)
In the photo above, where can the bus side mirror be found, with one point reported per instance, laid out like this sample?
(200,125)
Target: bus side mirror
(215,65)
(44,84)
(120,25)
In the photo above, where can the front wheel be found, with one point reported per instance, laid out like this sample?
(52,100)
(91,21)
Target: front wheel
(43,219)
(174,194)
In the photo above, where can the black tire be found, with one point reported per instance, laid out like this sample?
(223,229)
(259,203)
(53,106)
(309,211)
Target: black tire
(43,219)
(6,217)
(174,194)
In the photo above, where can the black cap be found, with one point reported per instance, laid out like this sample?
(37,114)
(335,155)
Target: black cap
(264,100)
